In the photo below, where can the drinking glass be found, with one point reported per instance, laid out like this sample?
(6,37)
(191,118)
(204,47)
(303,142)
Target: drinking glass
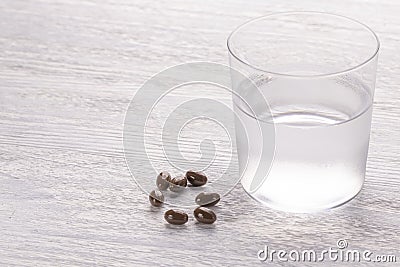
(317,73)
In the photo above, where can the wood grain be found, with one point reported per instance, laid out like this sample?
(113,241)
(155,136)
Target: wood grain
(68,70)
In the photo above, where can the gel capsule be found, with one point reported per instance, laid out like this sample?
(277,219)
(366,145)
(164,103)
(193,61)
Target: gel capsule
(162,181)
(196,178)
(156,198)
(178,184)
(207,199)
(204,215)
(176,217)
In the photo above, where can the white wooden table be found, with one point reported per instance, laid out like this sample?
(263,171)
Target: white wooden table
(68,69)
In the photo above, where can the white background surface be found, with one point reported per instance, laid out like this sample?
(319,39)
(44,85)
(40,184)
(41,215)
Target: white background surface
(68,70)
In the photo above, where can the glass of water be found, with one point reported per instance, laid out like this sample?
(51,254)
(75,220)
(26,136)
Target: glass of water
(316,72)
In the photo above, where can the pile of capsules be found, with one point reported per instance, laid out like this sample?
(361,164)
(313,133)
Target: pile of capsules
(178,184)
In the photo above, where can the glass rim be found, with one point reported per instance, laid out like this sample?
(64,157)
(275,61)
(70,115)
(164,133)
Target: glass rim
(345,70)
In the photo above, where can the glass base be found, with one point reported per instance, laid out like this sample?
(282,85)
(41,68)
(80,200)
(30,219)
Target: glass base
(295,207)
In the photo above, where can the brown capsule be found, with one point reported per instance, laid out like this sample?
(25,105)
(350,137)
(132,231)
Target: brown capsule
(176,217)
(156,198)
(204,215)
(178,184)
(162,181)
(196,178)
(207,199)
